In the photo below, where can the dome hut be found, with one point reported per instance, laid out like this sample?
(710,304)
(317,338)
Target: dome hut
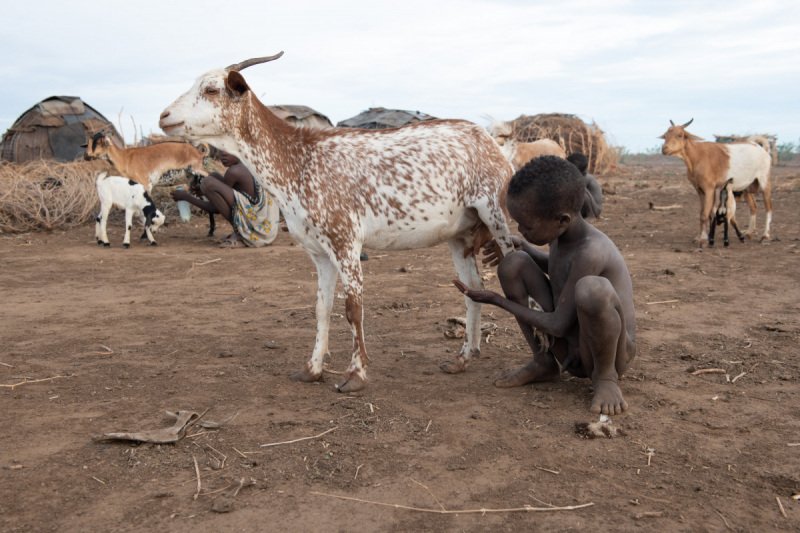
(379,118)
(54,129)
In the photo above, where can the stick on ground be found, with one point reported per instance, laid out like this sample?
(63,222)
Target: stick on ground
(298,440)
(527,508)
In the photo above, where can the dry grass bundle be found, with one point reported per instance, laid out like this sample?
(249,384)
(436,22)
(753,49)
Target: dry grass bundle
(570,132)
(47,195)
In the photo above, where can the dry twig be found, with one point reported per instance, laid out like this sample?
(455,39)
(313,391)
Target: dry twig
(197,472)
(527,508)
(780,505)
(709,371)
(26,381)
(300,439)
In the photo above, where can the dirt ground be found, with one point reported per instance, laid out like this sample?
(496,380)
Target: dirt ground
(129,334)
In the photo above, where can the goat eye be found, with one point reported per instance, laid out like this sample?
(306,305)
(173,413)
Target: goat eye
(211,90)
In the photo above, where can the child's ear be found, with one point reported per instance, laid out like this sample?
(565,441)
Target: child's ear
(564,219)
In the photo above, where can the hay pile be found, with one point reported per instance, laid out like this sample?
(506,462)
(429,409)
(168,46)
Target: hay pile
(47,195)
(570,132)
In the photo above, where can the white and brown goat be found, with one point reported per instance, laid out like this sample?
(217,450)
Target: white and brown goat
(519,153)
(342,189)
(710,165)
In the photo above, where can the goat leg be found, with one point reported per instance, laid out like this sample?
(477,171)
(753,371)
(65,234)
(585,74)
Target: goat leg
(712,228)
(212,224)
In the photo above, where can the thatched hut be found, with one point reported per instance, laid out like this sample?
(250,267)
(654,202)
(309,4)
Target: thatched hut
(572,133)
(301,115)
(380,118)
(54,129)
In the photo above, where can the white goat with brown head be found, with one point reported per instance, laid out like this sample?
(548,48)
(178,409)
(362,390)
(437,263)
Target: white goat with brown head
(339,190)
(709,165)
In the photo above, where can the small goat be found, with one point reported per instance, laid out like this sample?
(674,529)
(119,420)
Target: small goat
(709,165)
(130,196)
(146,164)
(725,214)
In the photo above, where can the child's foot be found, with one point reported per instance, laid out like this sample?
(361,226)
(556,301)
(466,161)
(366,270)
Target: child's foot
(532,372)
(607,398)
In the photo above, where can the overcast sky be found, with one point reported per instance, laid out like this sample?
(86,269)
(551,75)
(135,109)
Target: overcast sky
(631,66)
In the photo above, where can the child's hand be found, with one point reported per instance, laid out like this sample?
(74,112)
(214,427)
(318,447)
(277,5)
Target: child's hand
(477,295)
(492,254)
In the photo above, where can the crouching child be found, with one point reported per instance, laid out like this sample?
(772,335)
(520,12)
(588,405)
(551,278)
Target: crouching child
(586,323)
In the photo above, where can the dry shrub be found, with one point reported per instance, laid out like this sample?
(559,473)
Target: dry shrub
(47,195)
(571,133)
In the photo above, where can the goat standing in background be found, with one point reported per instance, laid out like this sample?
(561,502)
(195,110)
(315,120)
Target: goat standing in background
(341,189)
(709,165)
(146,164)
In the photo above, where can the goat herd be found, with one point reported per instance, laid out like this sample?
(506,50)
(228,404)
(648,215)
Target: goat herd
(411,187)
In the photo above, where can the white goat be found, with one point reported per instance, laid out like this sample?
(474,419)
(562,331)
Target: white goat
(339,189)
(132,197)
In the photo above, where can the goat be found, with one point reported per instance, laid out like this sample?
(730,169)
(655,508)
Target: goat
(146,164)
(341,189)
(130,196)
(519,153)
(709,165)
(725,214)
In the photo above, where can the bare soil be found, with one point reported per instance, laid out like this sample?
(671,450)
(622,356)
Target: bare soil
(129,334)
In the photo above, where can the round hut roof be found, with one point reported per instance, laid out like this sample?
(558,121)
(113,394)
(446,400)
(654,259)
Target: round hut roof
(301,115)
(55,128)
(379,118)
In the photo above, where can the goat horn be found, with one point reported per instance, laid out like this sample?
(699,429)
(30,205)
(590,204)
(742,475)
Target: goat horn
(254,61)
(671,123)
(690,121)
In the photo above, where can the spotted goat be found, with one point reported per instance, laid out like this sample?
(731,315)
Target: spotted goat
(397,189)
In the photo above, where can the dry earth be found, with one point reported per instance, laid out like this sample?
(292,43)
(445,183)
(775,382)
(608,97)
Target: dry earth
(129,334)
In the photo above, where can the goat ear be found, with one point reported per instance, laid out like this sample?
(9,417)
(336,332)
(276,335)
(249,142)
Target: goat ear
(235,84)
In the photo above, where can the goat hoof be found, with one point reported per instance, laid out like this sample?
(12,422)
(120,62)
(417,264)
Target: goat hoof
(153,243)
(99,242)
(106,245)
(305,376)
(353,382)
(456,366)
(126,245)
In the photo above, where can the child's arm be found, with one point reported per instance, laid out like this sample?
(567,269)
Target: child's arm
(562,318)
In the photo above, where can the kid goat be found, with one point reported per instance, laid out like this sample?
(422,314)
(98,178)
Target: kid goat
(709,165)
(130,196)
(341,189)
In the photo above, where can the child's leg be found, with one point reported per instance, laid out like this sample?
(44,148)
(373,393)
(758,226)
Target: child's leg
(521,278)
(605,346)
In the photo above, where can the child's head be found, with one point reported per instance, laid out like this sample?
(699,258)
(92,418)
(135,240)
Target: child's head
(580,161)
(544,196)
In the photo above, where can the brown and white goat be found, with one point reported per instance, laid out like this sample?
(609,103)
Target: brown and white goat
(709,165)
(146,164)
(342,189)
